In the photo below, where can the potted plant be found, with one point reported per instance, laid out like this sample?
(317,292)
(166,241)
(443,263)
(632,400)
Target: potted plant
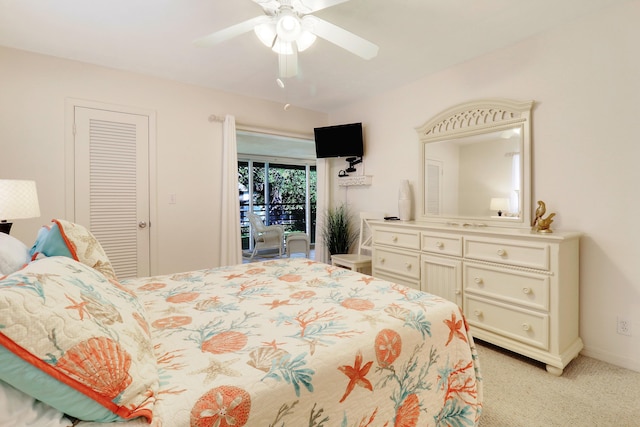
(338,231)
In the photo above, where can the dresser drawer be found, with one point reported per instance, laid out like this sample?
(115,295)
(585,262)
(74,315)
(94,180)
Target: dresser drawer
(415,284)
(511,252)
(522,325)
(527,289)
(408,239)
(444,244)
(392,261)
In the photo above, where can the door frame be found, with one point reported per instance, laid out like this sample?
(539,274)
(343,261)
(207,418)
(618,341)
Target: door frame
(69,159)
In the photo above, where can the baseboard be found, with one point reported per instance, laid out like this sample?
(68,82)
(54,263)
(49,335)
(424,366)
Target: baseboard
(605,356)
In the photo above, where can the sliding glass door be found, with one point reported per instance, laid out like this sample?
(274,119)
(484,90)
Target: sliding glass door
(280,193)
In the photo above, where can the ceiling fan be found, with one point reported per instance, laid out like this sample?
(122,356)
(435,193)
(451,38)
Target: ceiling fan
(288,28)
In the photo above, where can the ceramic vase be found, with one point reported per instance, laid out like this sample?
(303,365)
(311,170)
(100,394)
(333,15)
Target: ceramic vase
(404,201)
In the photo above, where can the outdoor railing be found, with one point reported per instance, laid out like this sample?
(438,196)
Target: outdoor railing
(291,215)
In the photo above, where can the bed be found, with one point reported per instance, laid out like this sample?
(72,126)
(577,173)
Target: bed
(288,342)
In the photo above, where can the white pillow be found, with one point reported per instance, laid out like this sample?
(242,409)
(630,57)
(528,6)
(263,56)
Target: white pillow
(18,408)
(13,254)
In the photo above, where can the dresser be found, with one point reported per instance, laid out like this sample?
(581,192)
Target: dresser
(518,289)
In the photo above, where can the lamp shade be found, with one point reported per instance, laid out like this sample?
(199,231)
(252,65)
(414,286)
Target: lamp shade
(266,32)
(499,204)
(18,199)
(305,40)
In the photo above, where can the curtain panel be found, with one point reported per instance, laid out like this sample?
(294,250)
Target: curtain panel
(229,244)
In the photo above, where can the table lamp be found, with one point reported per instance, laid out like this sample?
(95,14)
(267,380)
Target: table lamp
(499,204)
(18,200)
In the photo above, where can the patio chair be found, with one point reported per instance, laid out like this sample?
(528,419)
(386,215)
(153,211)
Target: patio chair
(265,236)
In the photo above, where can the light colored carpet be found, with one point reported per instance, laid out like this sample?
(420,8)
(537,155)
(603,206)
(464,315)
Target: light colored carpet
(519,392)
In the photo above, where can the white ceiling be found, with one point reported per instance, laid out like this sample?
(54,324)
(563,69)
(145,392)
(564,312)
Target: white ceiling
(416,37)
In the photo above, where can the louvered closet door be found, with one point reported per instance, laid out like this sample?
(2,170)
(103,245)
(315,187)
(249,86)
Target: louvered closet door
(112,185)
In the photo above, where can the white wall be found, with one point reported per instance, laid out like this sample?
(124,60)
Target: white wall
(585,79)
(33,92)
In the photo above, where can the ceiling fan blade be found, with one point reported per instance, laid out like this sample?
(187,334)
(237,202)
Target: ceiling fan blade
(341,37)
(230,32)
(288,64)
(269,5)
(310,6)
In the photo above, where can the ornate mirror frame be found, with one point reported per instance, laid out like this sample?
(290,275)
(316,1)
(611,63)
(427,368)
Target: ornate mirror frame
(475,119)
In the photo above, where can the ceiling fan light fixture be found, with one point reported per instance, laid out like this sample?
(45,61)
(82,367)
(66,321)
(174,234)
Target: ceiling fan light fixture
(305,40)
(266,33)
(288,26)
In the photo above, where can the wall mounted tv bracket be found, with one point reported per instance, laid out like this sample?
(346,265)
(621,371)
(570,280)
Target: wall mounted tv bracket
(352,162)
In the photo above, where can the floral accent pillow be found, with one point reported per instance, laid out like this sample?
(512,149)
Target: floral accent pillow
(73,340)
(64,238)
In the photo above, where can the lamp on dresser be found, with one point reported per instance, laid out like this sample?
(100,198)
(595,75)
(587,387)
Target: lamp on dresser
(499,204)
(18,200)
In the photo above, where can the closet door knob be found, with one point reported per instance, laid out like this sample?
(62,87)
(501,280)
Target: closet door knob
(142,224)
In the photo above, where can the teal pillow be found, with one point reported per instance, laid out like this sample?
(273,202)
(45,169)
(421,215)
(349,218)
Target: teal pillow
(50,242)
(64,238)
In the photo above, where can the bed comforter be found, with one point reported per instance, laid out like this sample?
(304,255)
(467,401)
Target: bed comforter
(284,343)
(295,342)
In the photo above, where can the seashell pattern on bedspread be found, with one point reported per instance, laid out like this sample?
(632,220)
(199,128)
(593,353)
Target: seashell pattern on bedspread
(294,342)
(76,341)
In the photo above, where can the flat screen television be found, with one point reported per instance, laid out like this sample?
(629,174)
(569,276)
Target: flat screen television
(339,141)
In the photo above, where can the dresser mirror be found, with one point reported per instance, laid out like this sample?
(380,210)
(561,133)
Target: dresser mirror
(476,164)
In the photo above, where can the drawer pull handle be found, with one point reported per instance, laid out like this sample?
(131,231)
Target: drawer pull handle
(526,291)
(394,238)
(407,265)
(501,252)
(381,260)
(477,313)
(526,327)
(439,245)
(478,280)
